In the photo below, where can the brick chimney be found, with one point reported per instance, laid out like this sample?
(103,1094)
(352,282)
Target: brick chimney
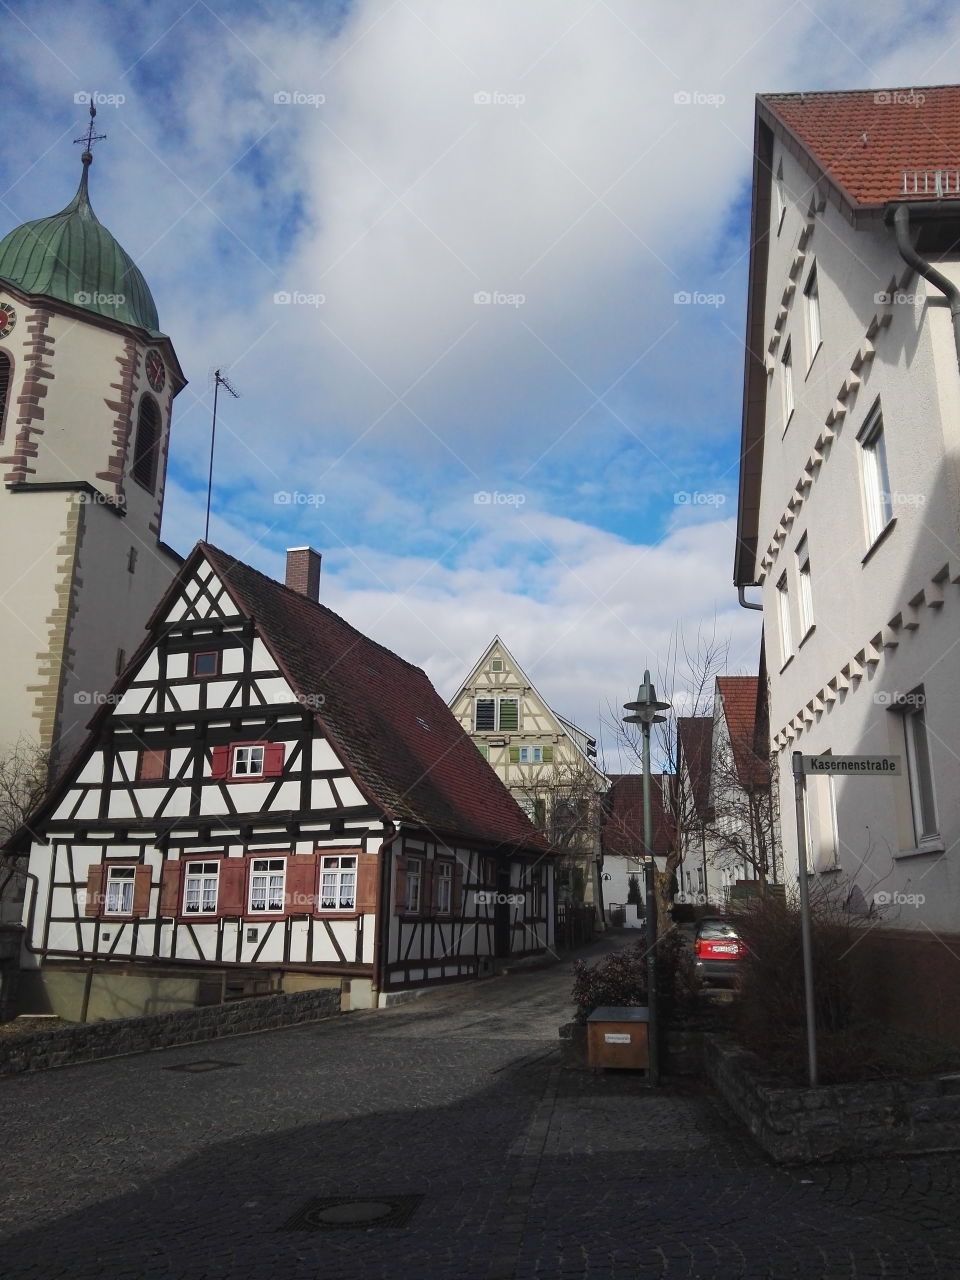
(303,571)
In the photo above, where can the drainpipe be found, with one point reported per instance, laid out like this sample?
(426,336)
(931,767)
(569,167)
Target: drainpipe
(744,602)
(381,936)
(901,228)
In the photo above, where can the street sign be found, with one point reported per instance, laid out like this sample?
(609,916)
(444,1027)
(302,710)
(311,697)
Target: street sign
(864,766)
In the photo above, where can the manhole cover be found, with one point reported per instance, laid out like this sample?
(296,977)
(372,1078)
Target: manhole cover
(205,1064)
(337,1213)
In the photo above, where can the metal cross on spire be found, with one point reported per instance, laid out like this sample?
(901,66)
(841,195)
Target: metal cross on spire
(89,138)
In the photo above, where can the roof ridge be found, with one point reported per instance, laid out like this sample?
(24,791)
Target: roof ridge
(316,604)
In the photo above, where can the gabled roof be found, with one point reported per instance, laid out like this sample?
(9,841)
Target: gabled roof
(738,698)
(567,727)
(407,749)
(695,741)
(622,834)
(864,140)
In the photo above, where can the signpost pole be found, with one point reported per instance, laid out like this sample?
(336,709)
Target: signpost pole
(798,786)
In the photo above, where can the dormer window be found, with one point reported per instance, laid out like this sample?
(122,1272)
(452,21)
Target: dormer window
(206,664)
(146,453)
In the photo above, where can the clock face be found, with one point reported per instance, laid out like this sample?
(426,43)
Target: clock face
(8,318)
(156,373)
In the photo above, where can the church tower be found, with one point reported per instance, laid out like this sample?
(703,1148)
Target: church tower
(87,382)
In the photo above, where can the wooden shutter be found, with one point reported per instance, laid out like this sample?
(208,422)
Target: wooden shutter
(540,813)
(273,759)
(170,888)
(94,900)
(514,755)
(219,762)
(141,891)
(300,888)
(231,890)
(152,766)
(457,890)
(484,750)
(368,882)
(400,887)
(426,888)
(547,755)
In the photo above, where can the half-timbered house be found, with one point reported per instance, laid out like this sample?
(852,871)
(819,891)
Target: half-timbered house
(270,800)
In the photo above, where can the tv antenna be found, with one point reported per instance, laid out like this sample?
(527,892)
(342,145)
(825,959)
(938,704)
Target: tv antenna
(219,380)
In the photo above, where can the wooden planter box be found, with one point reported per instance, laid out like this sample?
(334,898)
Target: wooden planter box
(617,1037)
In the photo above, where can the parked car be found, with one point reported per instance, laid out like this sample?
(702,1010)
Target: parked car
(717,949)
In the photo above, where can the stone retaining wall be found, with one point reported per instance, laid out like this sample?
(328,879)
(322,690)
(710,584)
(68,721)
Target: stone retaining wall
(89,1041)
(835,1122)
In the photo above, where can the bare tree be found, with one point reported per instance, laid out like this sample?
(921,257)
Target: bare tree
(685,678)
(24,774)
(566,802)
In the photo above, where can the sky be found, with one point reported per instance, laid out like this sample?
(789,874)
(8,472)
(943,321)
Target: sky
(478,271)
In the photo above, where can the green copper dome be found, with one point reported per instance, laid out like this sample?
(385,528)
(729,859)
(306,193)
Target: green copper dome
(72,256)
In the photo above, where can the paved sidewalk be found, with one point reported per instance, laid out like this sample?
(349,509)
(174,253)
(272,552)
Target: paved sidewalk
(525,1169)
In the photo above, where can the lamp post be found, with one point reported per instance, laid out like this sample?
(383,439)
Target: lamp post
(645,713)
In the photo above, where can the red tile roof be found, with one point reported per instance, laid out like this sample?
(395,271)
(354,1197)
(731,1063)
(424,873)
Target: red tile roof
(695,738)
(407,749)
(865,139)
(622,834)
(738,695)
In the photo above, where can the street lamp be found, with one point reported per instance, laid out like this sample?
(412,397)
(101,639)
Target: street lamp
(645,713)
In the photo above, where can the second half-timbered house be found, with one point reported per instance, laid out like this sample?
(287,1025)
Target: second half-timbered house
(270,800)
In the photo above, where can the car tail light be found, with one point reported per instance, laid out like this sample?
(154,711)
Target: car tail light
(698,947)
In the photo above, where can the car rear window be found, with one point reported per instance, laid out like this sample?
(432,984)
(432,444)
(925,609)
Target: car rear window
(717,929)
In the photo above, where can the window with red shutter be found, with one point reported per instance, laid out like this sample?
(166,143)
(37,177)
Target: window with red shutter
(368,882)
(170,888)
(301,896)
(219,762)
(152,765)
(400,887)
(273,760)
(93,904)
(231,894)
(141,891)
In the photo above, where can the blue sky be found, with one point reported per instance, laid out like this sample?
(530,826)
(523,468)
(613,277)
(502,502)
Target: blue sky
(482,216)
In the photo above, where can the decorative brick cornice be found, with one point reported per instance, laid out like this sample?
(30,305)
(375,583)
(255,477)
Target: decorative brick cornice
(38,371)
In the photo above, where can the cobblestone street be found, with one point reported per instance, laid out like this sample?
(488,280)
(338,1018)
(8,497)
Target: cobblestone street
(133,1167)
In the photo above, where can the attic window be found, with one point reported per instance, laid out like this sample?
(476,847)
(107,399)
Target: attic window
(496,664)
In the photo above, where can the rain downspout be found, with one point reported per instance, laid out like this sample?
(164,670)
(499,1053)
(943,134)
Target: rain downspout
(901,228)
(744,602)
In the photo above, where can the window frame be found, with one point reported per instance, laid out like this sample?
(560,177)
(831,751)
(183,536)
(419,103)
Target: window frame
(124,874)
(443,877)
(268,910)
(412,877)
(805,588)
(138,452)
(537,755)
(247,776)
(788,402)
(784,619)
(339,870)
(204,653)
(204,874)
(812,316)
(781,198)
(875,476)
(918,756)
(162,753)
(497,701)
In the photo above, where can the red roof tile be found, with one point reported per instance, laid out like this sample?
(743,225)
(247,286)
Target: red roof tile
(409,752)
(865,139)
(738,694)
(622,834)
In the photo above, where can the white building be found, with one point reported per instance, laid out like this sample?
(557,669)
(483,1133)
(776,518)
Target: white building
(849,493)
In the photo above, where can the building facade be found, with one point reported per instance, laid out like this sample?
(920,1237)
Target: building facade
(270,800)
(849,511)
(547,762)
